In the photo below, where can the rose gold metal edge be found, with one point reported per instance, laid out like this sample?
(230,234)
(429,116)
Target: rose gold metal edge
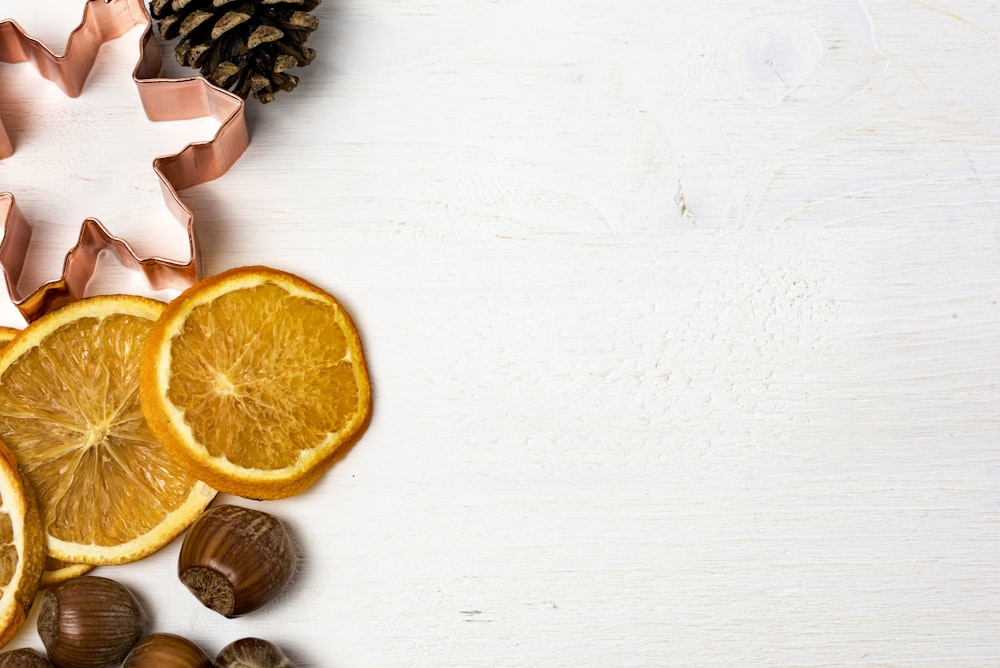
(162,99)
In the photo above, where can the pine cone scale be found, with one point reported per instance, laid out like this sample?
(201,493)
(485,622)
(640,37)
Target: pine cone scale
(156,7)
(264,35)
(284,62)
(193,21)
(303,20)
(169,27)
(228,22)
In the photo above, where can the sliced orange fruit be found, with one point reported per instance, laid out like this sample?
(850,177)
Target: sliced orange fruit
(33,525)
(255,380)
(7,334)
(22,548)
(109,493)
(55,570)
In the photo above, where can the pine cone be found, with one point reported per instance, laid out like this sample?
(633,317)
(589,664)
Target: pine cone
(244,46)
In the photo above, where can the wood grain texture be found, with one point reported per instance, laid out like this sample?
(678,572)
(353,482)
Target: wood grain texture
(682,321)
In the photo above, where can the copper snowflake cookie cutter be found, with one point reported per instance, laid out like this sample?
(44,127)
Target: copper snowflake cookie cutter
(162,100)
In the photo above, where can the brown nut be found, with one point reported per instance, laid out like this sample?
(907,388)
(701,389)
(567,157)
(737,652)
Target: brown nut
(24,658)
(166,650)
(235,559)
(90,622)
(252,653)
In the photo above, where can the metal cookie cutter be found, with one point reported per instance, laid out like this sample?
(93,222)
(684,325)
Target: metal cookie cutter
(162,99)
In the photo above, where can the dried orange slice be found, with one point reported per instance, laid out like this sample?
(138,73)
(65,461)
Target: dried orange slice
(22,548)
(255,380)
(7,334)
(109,493)
(55,570)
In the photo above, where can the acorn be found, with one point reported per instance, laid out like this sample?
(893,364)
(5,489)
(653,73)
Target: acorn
(252,653)
(235,559)
(90,622)
(24,658)
(166,650)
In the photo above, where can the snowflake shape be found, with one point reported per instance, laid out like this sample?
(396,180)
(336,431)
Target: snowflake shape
(162,99)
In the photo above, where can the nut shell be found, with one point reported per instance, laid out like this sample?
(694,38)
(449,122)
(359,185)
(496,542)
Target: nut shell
(252,653)
(236,560)
(24,658)
(166,650)
(90,622)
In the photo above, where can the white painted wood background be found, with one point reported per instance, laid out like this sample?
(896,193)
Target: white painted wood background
(682,319)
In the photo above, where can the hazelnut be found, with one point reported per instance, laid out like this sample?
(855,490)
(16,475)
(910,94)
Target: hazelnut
(236,559)
(90,622)
(24,658)
(166,650)
(252,653)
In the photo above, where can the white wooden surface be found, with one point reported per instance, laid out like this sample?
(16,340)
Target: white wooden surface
(682,319)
